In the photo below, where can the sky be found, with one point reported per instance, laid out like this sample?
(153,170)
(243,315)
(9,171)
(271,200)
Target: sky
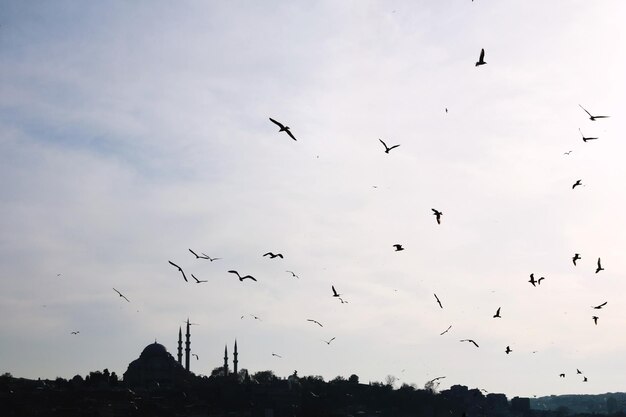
(131,132)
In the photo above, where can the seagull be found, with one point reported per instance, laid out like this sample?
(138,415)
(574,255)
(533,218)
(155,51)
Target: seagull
(121,295)
(584,138)
(180,269)
(315,321)
(578,372)
(562,375)
(277,355)
(293,274)
(255,317)
(508,350)
(599,268)
(438,302)
(595,320)
(438,214)
(342,300)
(481,59)
(577,183)
(335,293)
(209,258)
(197,358)
(76,332)
(539,280)
(328,341)
(398,247)
(387,148)
(272,255)
(598,307)
(532,280)
(567,153)
(469,340)
(283,128)
(198,256)
(198,281)
(497,315)
(593,118)
(446,109)
(575,258)
(242,278)
(584,379)
(445,331)
(435,379)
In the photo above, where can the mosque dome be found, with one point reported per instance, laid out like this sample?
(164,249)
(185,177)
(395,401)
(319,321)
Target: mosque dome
(154,350)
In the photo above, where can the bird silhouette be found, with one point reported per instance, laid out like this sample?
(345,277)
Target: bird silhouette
(76,332)
(121,295)
(398,247)
(562,375)
(209,258)
(595,320)
(567,153)
(481,59)
(387,148)
(532,280)
(508,350)
(598,307)
(438,215)
(283,128)
(255,317)
(315,321)
(293,274)
(469,340)
(599,268)
(277,355)
(198,256)
(244,277)
(197,357)
(575,258)
(273,255)
(591,117)
(328,341)
(335,293)
(198,281)
(578,372)
(180,269)
(577,183)
(584,138)
(497,315)
(343,301)
(445,331)
(438,302)
(584,379)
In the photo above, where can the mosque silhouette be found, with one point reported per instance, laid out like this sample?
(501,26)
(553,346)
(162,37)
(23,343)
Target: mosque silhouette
(156,367)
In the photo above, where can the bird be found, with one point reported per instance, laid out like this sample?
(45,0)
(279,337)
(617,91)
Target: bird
(315,321)
(283,128)
(508,350)
(209,258)
(76,332)
(481,59)
(532,280)
(595,320)
(438,302)
(438,215)
(242,278)
(328,341)
(469,340)
(577,183)
(58,275)
(198,281)
(584,138)
(398,247)
(446,109)
(599,268)
(343,301)
(584,379)
(387,148)
(539,280)
(567,153)
(591,117)
(293,274)
(445,331)
(335,293)
(575,258)
(436,379)
(255,317)
(598,307)
(121,295)
(198,256)
(272,255)
(562,375)
(197,357)
(578,372)
(180,269)
(497,315)
(277,355)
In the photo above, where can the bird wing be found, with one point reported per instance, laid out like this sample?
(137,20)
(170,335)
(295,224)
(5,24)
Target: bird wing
(291,134)
(475,344)
(482,55)
(248,276)
(268,253)
(195,254)
(235,272)
(384,144)
(334,291)
(194,277)
(279,124)
(585,111)
(117,291)
(498,312)
(394,146)
(599,266)
(124,297)
(331,340)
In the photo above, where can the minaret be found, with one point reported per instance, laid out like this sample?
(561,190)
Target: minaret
(180,346)
(225,360)
(187,348)
(235,361)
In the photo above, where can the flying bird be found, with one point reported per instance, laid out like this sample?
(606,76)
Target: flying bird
(198,256)
(242,278)
(532,280)
(209,258)
(387,148)
(438,215)
(591,117)
(197,357)
(335,293)
(497,315)
(328,341)
(398,247)
(121,295)
(342,301)
(584,379)
(562,375)
(598,307)
(599,268)
(595,320)
(293,274)
(277,355)
(438,302)
(578,372)
(76,332)
(273,255)
(445,331)
(567,153)
(575,258)
(436,379)
(577,183)
(315,321)
(584,138)
(469,340)
(180,269)
(481,59)
(198,281)
(283,128)
(508,350)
